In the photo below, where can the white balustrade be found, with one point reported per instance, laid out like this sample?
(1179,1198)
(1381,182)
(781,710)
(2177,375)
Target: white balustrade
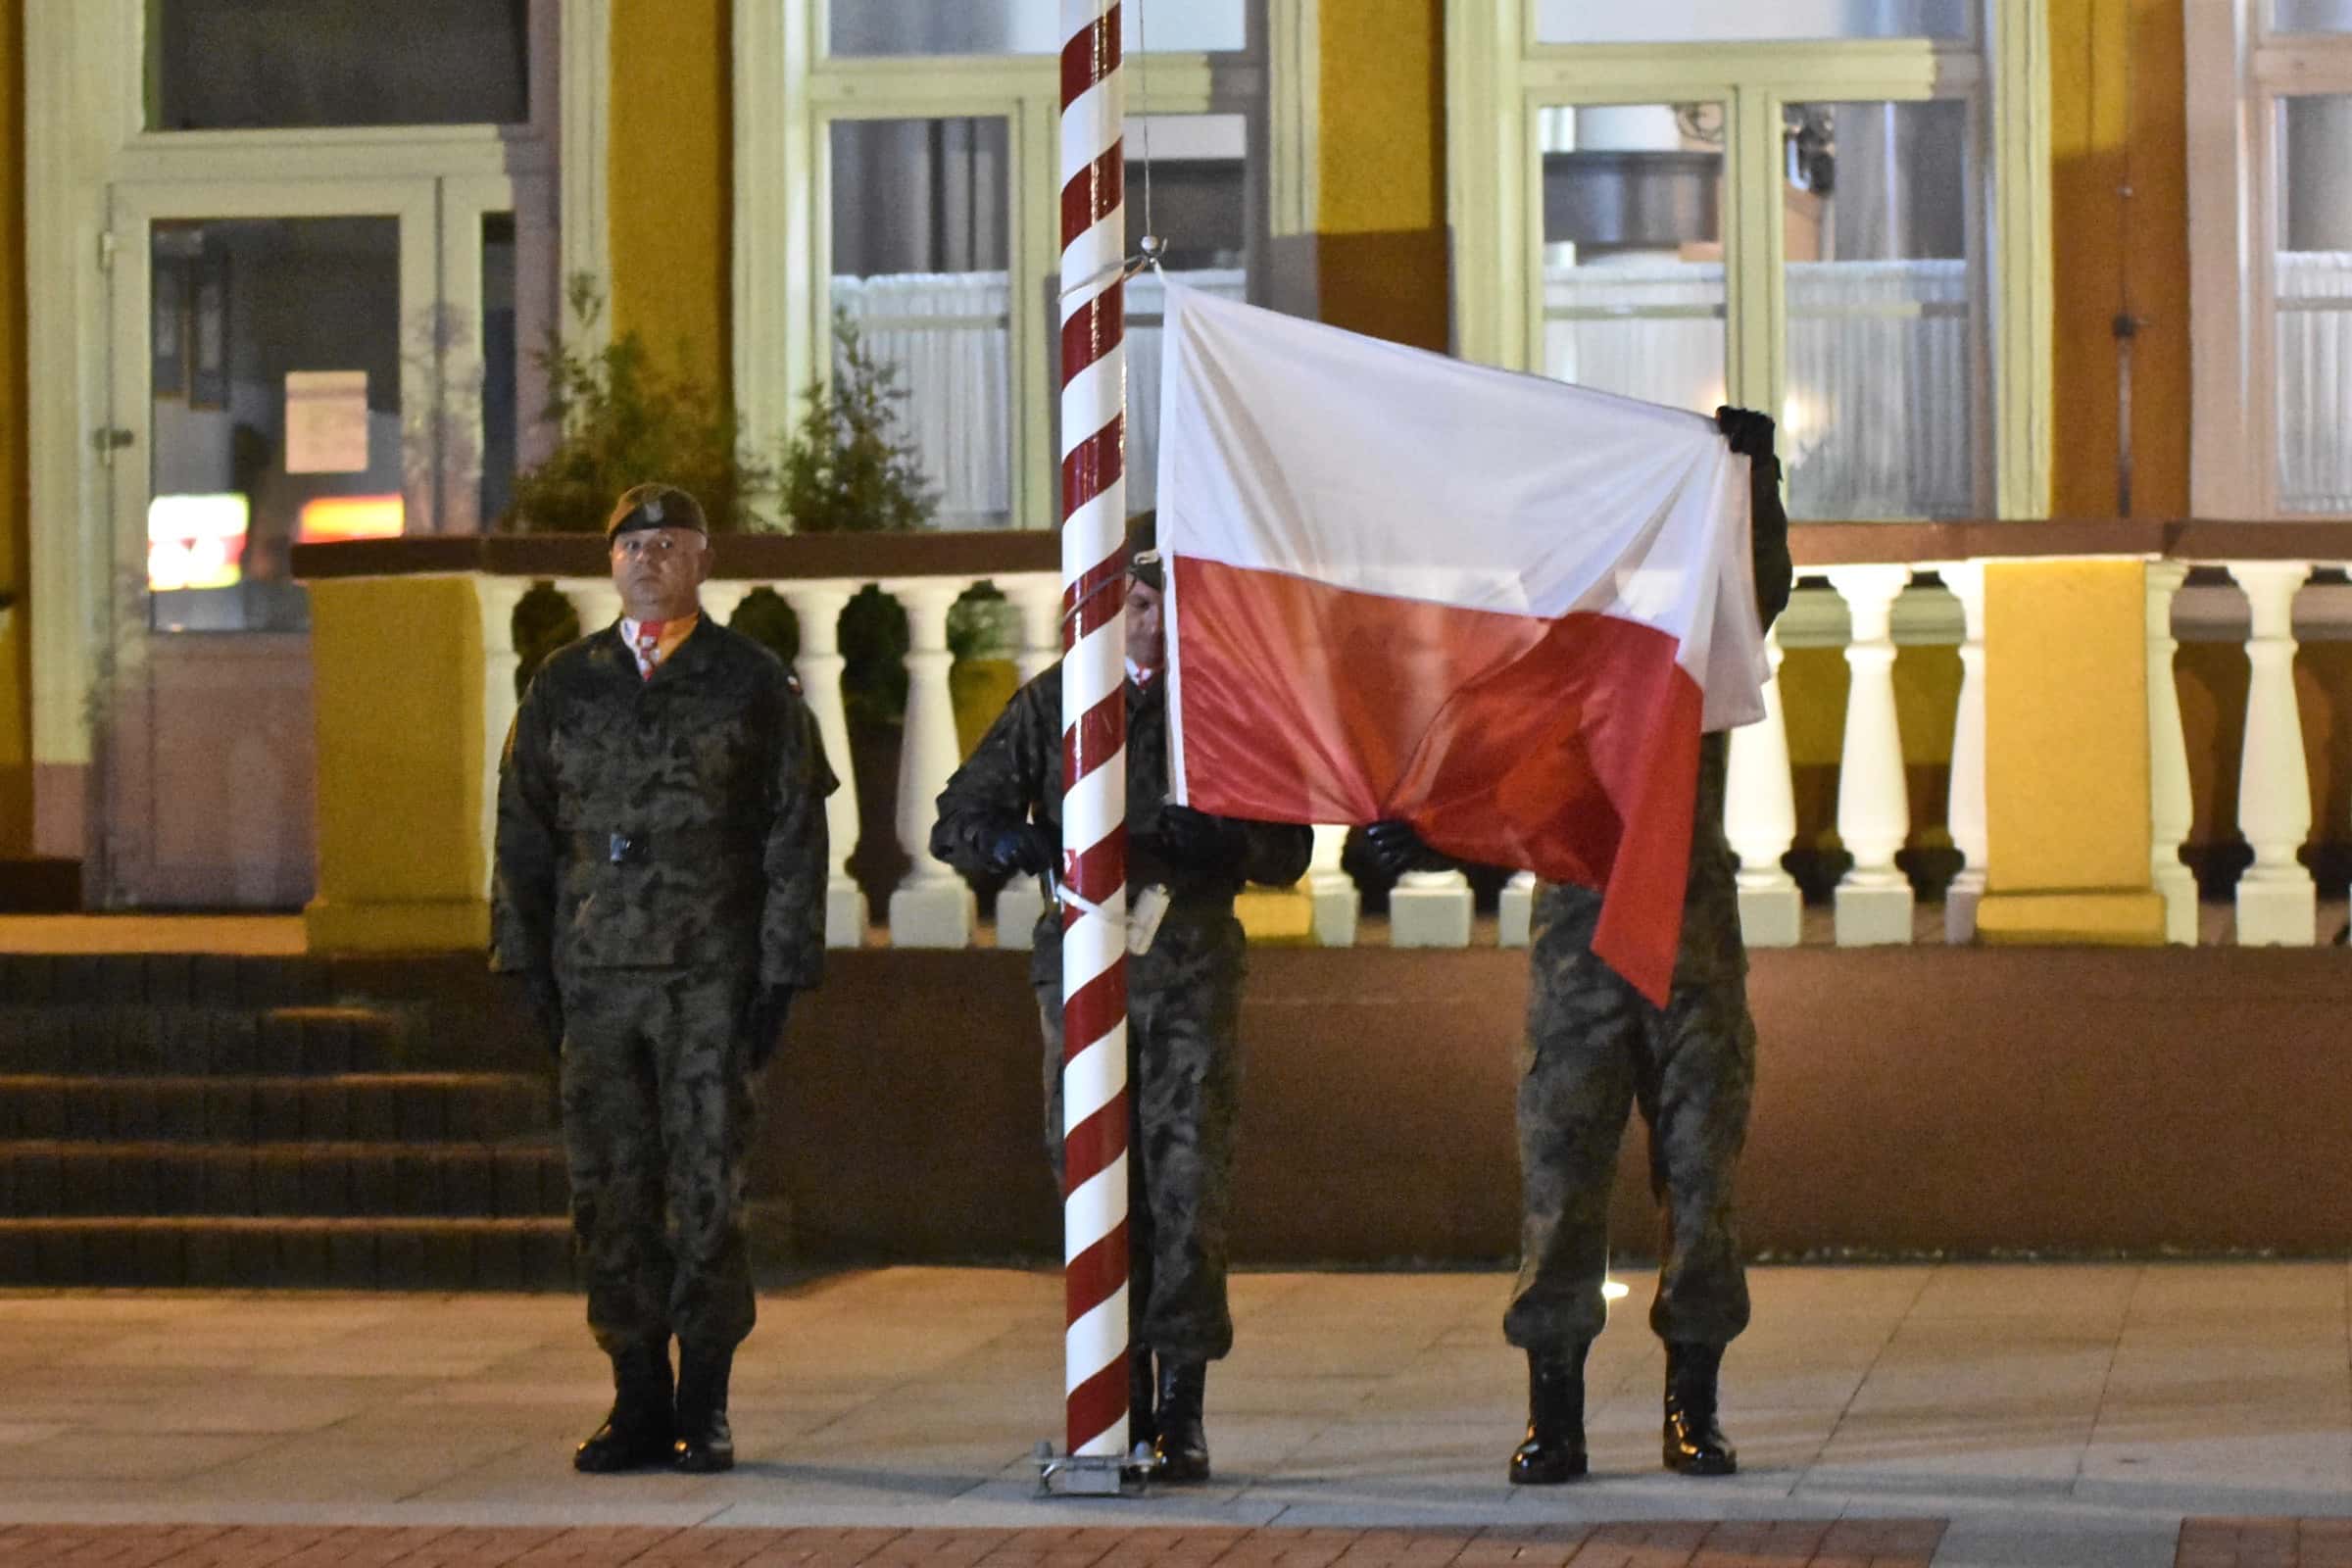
(723,596)
(1430,909)
(2276,902)
(593,599)
(1874,809)
(2170,808)
(1515,911)
(494,600)
(932,908)
(1964,802)
(1759,820)
(1035,597)
(1337,900)
(817,605)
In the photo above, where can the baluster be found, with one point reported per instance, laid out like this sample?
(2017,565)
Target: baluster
(1964,808)
(593,599)
(1430,909)
(495,599)
(722,598)
(1759,820)
(1873,809)
(2276,902)
(2170,811)
(932,908)
(1036,595)
(817,606)
(1334,891)
(1515,911)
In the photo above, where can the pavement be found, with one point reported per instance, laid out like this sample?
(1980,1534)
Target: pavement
(2031,1413)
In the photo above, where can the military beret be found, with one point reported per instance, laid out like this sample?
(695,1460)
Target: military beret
(1143,562)
(654,506)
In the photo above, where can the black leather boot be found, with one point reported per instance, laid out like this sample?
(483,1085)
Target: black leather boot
(1554,1449)
(1694,1445)
(1181,1443)
(641,1428)
(705,1444)
(1143,1427)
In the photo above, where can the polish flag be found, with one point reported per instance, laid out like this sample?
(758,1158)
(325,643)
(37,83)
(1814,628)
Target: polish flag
(1496,607)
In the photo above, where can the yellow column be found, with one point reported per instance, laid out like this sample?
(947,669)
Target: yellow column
(670,172)
(16,643)
(2066,744)
(2119,200)
(401,866)
(1381,251)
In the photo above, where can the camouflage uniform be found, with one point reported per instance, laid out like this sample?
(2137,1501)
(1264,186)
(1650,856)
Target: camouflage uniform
(1183,1001)
(1596,1047)
(662,848)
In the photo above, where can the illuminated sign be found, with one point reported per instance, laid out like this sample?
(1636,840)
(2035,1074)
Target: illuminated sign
(195,541)
(332,517)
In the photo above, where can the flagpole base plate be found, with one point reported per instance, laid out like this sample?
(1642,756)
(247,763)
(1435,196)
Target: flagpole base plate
(1091,1474)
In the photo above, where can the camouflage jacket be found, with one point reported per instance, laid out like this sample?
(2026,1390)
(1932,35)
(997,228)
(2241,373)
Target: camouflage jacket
(669,823)
(1014,775)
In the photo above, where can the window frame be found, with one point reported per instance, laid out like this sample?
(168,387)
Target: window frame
(2238,72)
(1497,80)
(789,92)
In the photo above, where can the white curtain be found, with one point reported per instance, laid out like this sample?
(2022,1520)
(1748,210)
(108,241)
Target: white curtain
(951,337)
(2315,381)
(1881,393)
(949,334)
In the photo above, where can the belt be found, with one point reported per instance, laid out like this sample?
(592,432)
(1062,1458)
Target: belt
(637,848)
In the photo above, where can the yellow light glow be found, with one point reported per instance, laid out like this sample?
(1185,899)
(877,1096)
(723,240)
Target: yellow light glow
(1611,1290)
(195,541)
(332,517)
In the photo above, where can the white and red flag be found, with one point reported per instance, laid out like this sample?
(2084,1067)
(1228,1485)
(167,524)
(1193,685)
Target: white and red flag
(1496,606)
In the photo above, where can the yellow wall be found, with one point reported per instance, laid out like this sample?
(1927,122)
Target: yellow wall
(1381,250)
(2118,124)
(16,694)
(670,180)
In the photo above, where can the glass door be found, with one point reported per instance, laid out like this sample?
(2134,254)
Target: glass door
(288,367)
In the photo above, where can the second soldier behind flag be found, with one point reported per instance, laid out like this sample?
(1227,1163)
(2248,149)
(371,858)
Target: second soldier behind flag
(1001,814)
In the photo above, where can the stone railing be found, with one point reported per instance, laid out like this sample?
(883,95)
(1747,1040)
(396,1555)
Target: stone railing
(1874,589)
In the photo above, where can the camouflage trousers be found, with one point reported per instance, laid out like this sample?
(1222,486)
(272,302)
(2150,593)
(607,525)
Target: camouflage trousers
(1184,1083)
(657,1122)
(1596,1050)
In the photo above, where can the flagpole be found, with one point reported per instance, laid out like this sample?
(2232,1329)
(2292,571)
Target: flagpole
(1094,749)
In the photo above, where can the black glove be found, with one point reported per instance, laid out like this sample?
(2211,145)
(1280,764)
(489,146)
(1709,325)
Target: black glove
(1024,847)
(1749,433)
(545,1004)
(1396,848)
(764,1025)
(1197,840)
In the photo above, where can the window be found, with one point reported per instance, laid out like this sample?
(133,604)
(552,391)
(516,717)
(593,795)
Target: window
(927,139)
(2273,417)
(1788,207)
(279,65)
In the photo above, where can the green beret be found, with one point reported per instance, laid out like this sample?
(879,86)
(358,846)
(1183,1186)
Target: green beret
(1143,561)
(653,506)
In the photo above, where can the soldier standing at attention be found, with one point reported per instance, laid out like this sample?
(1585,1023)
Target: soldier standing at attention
(660,890)
(1001,814)
(1597,1049)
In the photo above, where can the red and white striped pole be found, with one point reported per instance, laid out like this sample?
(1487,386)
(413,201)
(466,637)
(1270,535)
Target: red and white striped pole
(1094,737)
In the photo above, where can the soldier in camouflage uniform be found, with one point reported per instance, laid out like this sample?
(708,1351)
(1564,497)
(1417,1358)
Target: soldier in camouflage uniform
(1595,1049)
(999,815)
(660,886)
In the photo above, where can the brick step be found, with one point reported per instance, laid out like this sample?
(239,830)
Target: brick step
(326,1180)
(207,979)
(396,1255)
(354,1108)
(188,1040)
